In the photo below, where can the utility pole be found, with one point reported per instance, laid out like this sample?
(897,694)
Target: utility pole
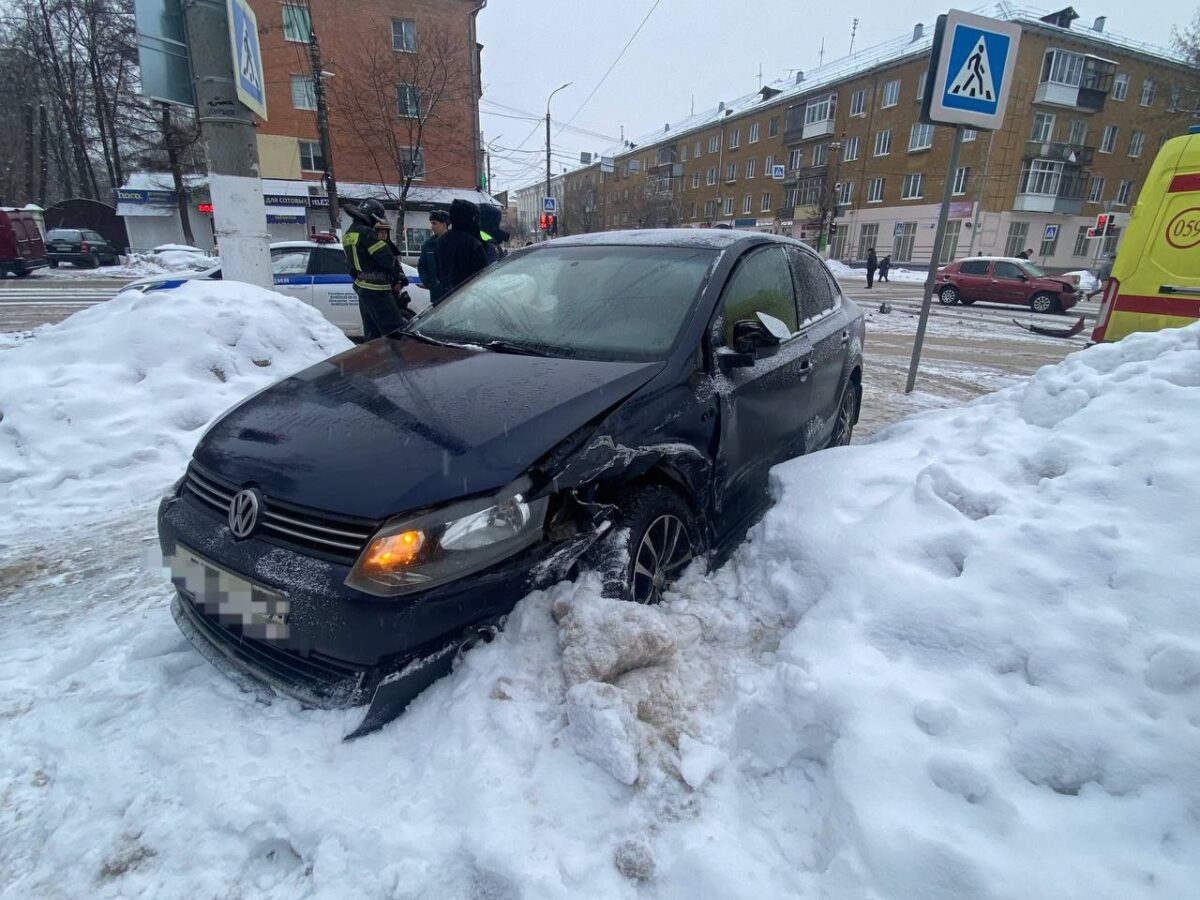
(227,131)
(314,55)
(853,33)
(548,99)
(181,202)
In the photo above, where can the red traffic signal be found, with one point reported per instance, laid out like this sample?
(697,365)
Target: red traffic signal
(544,222)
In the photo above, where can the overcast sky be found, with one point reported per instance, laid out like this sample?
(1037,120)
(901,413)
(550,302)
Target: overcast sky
(707,49)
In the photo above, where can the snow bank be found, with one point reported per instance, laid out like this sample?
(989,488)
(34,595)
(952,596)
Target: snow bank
(962,661)
(843,271)
(105,407)
(164,260)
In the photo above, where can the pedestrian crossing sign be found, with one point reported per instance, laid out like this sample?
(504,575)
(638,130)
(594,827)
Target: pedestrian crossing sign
(973,59)
(247,56)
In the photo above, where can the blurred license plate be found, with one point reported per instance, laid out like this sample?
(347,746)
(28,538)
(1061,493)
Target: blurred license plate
(251,609)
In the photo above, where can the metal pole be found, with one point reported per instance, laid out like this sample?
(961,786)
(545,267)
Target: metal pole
(314,55)
(987,159)
(548,99)
(228,134)
(935,259)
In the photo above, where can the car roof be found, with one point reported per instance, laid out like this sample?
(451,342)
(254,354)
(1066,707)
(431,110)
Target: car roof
(1012,259)
(712,238)
(303,245)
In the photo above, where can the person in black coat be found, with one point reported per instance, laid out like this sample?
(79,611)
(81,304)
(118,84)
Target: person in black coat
(459,252)
(439,221)
(872,265)
(491,233)
(884,265)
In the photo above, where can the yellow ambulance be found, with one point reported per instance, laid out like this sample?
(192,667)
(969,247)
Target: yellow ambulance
(1155,279)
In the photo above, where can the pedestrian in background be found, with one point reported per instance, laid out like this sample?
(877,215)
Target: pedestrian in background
(1026,253)
(872,265)
(459,252)
(491,233)
(439,221)
(884,265)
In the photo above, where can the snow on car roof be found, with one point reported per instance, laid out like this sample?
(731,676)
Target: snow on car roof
(716,238)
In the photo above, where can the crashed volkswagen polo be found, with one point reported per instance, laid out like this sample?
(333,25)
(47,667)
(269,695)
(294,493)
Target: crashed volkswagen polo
(610,401)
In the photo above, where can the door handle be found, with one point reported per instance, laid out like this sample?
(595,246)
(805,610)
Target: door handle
(805,368)
(845,337)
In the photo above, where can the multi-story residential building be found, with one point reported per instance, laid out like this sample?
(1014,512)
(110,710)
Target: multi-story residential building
(844,144)
(402,80)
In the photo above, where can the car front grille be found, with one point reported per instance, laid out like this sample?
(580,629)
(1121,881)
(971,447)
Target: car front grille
(285,524)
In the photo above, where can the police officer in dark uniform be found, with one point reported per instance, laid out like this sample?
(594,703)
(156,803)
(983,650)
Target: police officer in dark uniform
(375,269)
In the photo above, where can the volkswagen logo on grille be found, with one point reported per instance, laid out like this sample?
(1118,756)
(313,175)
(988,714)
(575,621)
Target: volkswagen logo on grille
(243,513)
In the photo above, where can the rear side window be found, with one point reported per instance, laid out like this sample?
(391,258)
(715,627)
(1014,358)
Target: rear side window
(973,267)
(63,234)
(93,236)
(1008,270)
(760,283)
(289,262)
(329,262)
(813,286)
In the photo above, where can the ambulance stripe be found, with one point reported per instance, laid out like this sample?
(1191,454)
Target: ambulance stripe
(1185,184)
(1158,306)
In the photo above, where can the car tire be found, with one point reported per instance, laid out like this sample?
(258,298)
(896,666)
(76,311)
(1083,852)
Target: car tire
(94,262)
(843,426)
(964,301)
(54,263)
(1043,303)
(948,295)
(651,521)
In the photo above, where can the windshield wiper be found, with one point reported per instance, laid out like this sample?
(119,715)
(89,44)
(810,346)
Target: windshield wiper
(424,338)
(498,346)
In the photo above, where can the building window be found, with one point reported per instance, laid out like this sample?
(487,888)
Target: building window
(1061,67)
(1077,133)
(1123,190)
(727,207)
(304,94)
(714,143)
(1120,88)
(1018,237)
(911,189)
(1136,141)
(810,191)
(731,172)
(296,24)
(404,35)
(868,235)
(790,198)
(712,176)
(795,158)
(754,133)
(751,167)
(1081,241)
(950,241)
(1040,176)
(768,166)
(920,137)
(1175,101)
(1148,91)
(696,155)
(794,118)
(735,139)
(765,202)
(902,243)
(968,135)
(311,159)
(858,103)
(748,204)
(413,162)
(1108,141)
(883,142)
(691,210)
(408,101)
(921,85)
(683,152)
(820,110)
(1096,192)
(1049,245)
(1043,127)
(695,180)
(773,126)
(891,94)
(821,155)
(961,175)
(710,208)
(845,194)
(850,149)
(875,191)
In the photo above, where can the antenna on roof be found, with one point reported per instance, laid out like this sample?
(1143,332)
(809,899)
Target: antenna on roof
(820,57)
(760,76)
(622,134)
(693,104)
(853,32)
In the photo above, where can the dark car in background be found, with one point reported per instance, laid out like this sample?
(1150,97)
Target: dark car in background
(81,246)
(610,401)
(1004,280)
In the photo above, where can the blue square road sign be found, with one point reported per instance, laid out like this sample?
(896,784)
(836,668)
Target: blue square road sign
(974,63)
(247,56)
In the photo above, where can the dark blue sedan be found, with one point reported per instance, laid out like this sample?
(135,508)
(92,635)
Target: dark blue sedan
(611,401)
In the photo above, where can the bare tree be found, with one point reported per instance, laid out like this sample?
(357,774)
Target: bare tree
(1187,44)
(394,103)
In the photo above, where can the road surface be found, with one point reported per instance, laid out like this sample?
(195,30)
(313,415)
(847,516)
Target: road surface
(39,300)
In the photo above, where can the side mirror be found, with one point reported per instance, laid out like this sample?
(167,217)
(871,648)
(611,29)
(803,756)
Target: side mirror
(751,337)
(727,359)
(777,328)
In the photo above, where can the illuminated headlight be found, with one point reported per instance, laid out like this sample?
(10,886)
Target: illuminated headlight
(414,553)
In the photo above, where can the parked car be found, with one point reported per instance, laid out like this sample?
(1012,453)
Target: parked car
(21,246)
(997,279)
(612,400)
(83,247)
(313,272)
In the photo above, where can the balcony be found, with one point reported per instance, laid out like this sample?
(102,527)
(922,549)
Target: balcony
(1070,154)
(1046,186)
(1075,82)
(817,129)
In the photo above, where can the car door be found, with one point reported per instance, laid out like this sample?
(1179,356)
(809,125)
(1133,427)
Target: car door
(1009,282)
(289,267)
(762,406)
(974,279)
(333,289)
(103,249)
(828,327)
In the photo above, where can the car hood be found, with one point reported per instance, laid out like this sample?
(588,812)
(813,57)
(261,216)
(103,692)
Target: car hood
(169,278)
(396,425)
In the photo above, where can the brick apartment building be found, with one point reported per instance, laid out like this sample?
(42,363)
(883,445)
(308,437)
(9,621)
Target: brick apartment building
(1087,113)
(402,80)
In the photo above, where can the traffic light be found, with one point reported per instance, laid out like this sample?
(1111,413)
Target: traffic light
(832,228)
(553,222)
(544,222)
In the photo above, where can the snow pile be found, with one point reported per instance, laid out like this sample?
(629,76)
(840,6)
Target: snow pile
(164,260)
(106,406)
(842,271)
(962,661)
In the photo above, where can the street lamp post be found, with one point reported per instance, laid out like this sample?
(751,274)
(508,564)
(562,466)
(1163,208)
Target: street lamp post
(548,99)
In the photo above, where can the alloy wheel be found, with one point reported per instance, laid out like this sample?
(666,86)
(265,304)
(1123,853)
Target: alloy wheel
(664,552)
(844,429)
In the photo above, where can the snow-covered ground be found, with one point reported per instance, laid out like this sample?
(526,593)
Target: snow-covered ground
(841,270)
(161,261)
(961,661)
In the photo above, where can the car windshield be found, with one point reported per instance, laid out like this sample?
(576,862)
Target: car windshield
(1035,271)
(61,234)
(590,302)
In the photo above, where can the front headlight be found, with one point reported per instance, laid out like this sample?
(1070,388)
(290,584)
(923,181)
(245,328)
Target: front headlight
(415,553)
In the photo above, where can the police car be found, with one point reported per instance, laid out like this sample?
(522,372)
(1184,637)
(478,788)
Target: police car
(311,271)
